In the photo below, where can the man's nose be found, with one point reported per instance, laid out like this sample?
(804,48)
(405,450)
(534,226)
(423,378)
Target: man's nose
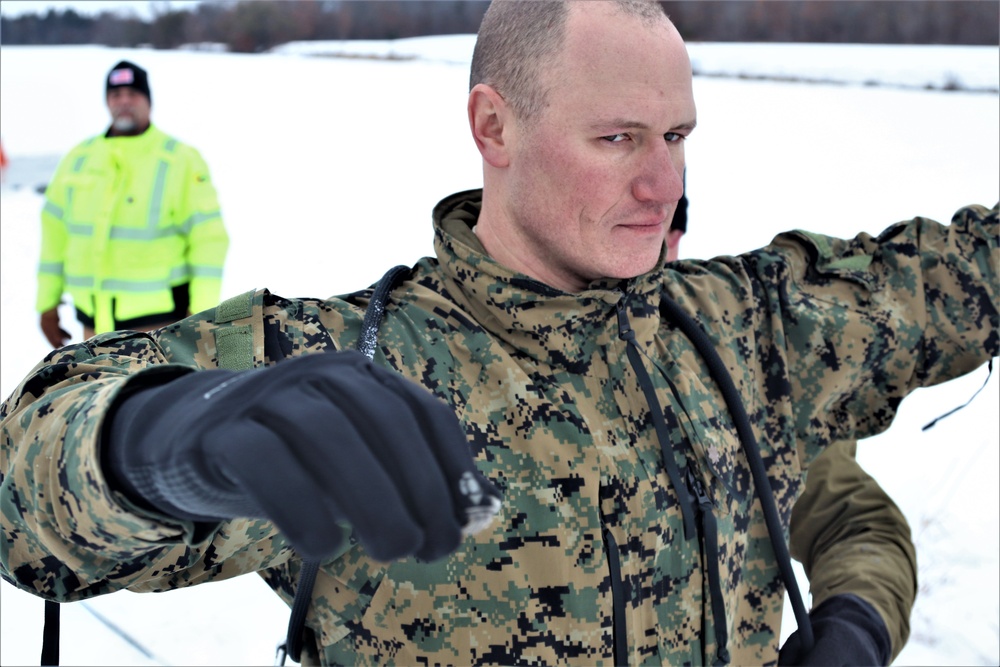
(660,180)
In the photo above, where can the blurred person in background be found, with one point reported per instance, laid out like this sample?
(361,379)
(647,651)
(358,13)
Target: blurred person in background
(131,226)
(3,164)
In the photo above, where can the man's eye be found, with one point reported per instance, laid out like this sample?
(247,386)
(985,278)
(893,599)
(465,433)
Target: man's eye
(615,138)
(673,137)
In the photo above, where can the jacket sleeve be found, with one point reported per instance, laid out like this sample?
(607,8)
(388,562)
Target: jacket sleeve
(67,534)
(207,239)
(856,325)
(852,538)
(51,279)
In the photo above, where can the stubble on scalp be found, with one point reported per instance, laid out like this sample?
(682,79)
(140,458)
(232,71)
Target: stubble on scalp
(518,38)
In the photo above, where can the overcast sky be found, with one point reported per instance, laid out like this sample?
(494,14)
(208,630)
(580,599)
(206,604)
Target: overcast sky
(144,8)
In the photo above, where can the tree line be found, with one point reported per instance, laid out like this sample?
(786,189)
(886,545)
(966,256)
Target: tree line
(249,26)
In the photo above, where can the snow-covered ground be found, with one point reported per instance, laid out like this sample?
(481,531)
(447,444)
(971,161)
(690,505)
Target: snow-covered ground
(327,169)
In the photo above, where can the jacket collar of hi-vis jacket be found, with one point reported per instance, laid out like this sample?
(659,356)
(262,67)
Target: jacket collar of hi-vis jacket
(557,328)
(151,131)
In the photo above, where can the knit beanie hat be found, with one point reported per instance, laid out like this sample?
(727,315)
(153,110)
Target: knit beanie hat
(128,74)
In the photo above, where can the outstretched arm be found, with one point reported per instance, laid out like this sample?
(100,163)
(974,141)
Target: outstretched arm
(122,468)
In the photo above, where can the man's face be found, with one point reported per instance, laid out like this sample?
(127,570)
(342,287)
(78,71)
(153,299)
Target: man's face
(595,178)
(129,110)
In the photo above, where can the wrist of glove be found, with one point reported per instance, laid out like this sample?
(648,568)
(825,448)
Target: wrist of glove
(148,457)
(310,443)
(847,631)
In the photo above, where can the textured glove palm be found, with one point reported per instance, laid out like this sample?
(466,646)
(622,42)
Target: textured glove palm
(308,443)
(848,631)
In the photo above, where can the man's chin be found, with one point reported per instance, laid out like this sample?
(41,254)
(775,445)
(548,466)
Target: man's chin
(636,268)
(124,124)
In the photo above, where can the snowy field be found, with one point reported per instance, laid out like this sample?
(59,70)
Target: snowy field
(327,170)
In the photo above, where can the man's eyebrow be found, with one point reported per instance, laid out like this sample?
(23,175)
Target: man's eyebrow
(624,124)
(619,124)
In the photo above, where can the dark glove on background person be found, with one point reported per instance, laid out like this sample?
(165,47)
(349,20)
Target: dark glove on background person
(848,631)
(307,443)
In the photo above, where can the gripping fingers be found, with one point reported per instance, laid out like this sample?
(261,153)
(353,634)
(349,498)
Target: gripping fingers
(307,483)
(385,421)
(334,437)
(474,500)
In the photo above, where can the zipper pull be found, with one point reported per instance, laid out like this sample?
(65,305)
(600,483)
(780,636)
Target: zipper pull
(624,328)
(698,489)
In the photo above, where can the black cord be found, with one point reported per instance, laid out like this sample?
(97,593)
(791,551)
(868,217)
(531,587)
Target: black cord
(775,532)
(989,367)
(366,344)
(50,634)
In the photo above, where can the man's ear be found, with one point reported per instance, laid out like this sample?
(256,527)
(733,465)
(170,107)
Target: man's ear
(488,118)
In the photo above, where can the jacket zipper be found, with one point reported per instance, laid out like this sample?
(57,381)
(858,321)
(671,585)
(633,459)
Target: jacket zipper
(620,638)
(692,498)
(710,557)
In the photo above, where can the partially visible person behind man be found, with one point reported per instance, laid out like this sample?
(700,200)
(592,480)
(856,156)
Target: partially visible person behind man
(131,227)
(854,544)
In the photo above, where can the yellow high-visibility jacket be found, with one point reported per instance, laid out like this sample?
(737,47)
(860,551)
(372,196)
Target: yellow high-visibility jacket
(125,220)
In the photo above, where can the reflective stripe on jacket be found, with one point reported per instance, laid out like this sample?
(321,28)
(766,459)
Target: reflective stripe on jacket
(823,337)
(127,219)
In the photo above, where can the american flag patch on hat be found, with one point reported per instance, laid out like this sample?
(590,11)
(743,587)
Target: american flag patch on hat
(121,77)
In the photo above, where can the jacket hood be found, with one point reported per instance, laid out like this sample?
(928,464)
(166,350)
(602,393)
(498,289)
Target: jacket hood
(556,327)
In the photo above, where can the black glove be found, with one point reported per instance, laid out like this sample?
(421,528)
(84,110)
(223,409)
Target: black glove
(848,631)
(307,443)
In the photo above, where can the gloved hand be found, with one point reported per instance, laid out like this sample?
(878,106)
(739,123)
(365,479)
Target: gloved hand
(307,443)
(55,334)
(848,631)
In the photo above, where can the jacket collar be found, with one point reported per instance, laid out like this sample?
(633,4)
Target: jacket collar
(148,132)
(554,327)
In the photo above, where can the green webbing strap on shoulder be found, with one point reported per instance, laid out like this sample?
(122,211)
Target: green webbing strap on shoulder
(234,344)
(366,344)
(235,307)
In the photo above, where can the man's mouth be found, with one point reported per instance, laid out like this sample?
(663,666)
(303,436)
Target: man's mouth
(645,223)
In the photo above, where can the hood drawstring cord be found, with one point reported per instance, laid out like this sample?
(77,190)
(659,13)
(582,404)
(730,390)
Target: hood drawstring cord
(775,531)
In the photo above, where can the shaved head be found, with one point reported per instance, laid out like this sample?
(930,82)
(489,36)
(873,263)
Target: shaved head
(518,38)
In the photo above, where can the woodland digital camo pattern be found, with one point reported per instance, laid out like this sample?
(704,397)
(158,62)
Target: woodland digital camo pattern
(823,338)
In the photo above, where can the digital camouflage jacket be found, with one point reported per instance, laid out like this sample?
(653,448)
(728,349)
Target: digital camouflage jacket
(823,338)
